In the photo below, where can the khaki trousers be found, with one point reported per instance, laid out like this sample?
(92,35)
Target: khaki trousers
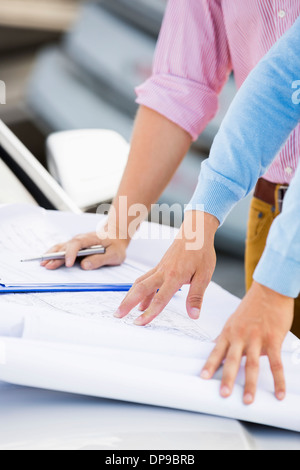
(261,217)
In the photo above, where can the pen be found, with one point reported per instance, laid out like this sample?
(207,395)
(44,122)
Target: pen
(93,250)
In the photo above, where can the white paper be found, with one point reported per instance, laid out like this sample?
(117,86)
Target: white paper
(92,372)
(72,343)
(27,234)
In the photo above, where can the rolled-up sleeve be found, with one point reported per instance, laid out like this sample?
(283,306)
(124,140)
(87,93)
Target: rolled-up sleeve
(191,65)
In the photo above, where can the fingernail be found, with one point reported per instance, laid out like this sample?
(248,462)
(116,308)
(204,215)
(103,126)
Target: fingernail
(195,313)
(68,262)
(225,392)
(205,374)
(248,399)
(87,265)
(139,321)
(118,314)
(280,395)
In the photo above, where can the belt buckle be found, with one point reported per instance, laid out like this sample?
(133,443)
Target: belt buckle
(281,193)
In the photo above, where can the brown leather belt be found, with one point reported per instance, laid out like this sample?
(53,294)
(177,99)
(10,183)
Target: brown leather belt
(269,192)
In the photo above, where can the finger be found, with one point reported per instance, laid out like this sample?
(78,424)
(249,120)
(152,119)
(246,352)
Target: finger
(276,365)
(72,249)
(44,263)
(55,249)
(195,297)
(146,303)
(138,281)
(215,359)
(159,302)
(146,275)
(110,258)
(251,371)
(79,243)
(231,368)
(139,291)
(94,262)
(54,264)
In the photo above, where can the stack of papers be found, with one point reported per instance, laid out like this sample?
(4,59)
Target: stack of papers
(72,342)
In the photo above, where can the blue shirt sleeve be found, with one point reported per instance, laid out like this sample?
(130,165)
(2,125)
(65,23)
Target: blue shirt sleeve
(279,267)
(258,123)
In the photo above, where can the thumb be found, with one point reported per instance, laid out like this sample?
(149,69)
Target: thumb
(195,297)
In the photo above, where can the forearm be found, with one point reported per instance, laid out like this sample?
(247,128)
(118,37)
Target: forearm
(158,147)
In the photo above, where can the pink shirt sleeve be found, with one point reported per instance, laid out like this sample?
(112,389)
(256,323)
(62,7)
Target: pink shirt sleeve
(191,65)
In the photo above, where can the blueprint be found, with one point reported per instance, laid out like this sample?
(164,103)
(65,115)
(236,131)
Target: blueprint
(73,343)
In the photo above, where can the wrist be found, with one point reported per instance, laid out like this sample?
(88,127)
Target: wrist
(211,224)
(197,220)
(198,229)
(270,295)
(112,232)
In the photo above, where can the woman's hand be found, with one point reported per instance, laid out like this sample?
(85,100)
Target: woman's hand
(114,255)
(258,327)
(191,259)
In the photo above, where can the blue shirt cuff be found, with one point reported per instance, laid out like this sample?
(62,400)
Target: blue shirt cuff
(214,197)
(279,273)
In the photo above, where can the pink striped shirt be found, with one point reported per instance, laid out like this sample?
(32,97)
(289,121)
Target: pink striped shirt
(201,42)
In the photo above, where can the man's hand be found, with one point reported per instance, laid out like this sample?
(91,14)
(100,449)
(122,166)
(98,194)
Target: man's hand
(258,327)
(115,252)
(158,146)
(189,260)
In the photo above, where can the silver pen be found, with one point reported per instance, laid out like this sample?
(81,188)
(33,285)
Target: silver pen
(93,250)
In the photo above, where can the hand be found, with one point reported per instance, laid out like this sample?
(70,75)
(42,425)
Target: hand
(115,252)
(181,265)
(258,327)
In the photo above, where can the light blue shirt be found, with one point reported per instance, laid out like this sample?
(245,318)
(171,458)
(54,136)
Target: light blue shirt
(258,123)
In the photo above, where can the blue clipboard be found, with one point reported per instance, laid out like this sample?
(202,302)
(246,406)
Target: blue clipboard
(42,288)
